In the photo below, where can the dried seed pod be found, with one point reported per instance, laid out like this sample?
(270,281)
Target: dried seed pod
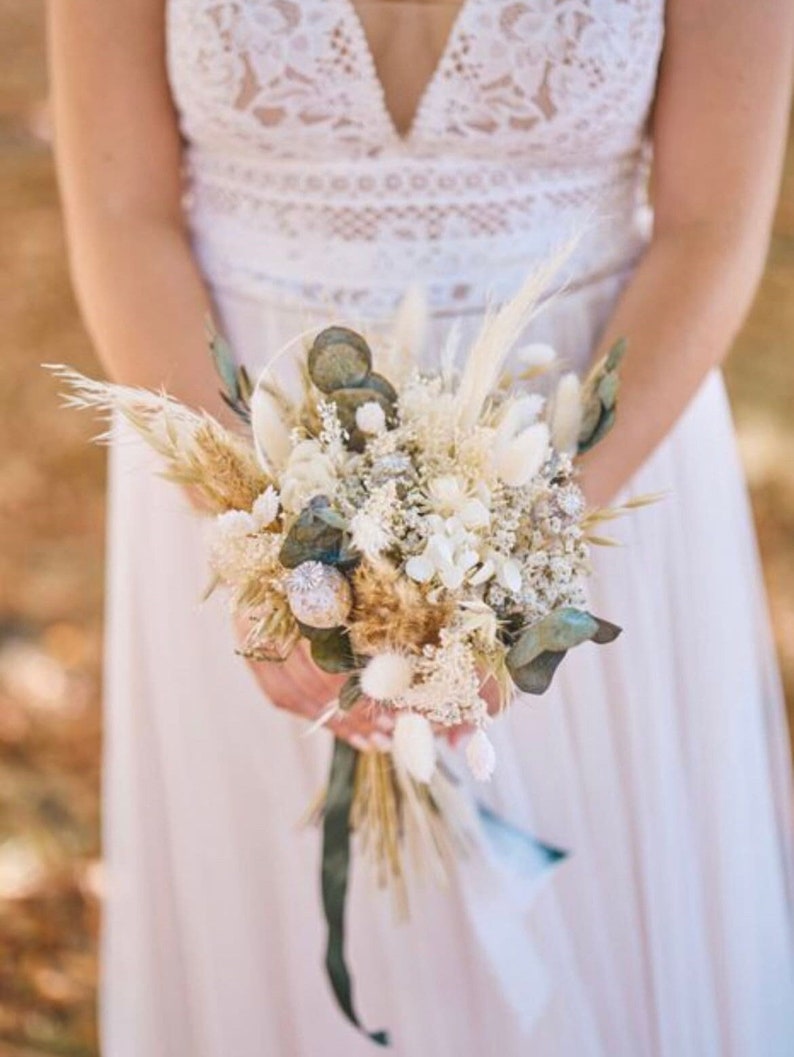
(339,359)
(318,595)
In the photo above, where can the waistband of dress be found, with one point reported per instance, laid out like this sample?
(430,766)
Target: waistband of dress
(270,233)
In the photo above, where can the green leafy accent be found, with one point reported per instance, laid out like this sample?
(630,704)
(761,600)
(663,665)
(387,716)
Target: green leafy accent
(335,877)
(599,398)
(539,649)
(318,534)
(237,388)
(331,651)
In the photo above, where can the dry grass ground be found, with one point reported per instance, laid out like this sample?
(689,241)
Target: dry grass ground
(51,510)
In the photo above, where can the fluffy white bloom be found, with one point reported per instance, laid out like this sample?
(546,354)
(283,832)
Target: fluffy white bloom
(414,746)
(371,418)
(566,418)
(371,527)
(236,548)
(518,461)
(387,676)
(265,508)
(271,431)
(370,536)
(230,527)
(480,756)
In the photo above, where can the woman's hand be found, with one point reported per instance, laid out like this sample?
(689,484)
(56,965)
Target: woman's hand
(297,685)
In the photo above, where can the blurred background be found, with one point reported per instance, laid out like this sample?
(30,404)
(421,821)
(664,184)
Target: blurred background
(51,557)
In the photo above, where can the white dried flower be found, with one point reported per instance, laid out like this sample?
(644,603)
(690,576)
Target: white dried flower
(518,461)
(265,508)
(480,756)
(414,746)
(371,418)
(371,527)
(387,676)
(566,417)
(370,536)
(231,526)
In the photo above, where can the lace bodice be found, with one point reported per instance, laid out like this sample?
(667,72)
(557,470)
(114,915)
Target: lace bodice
(299,182)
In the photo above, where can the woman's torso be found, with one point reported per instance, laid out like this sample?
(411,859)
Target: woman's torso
(309,183)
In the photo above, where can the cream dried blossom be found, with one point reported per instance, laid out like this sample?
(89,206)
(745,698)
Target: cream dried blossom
(414,747)
(446,685)
(265,509)
(372,526)
(480,756)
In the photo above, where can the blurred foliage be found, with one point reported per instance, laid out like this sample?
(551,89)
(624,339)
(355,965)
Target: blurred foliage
(51,558)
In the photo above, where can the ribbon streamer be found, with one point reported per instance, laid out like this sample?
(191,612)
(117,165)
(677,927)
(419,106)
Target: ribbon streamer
(335,875)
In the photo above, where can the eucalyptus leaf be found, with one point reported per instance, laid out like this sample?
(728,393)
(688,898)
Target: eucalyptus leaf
(536,677)
(225,364)
(332,651)
(316,536)
(606,633)
(559,630)
(599,398)
(339,358)
(350,693)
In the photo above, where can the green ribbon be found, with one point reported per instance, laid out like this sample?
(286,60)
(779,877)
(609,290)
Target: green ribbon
(335,875)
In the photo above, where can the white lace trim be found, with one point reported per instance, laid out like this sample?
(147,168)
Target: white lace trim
(533,124)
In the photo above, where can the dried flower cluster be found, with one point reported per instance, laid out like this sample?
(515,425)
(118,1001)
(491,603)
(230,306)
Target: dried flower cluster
(424,537)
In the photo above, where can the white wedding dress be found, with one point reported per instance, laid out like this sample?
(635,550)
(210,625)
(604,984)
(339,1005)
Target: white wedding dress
(660,762)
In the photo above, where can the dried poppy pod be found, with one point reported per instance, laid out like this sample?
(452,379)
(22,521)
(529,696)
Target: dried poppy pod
(318,595)
(339,359)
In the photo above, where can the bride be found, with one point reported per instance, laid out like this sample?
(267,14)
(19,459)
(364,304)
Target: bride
(284,163)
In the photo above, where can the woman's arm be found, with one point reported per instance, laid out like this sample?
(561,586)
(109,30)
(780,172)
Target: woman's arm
(719,134)
(143,299)
(118,155)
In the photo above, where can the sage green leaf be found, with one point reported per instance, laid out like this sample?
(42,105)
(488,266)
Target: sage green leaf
(338,359)
(616,354)
(381,385)
(331,517)
(332,651)
(599,398)
(335,875)
(312,538)
(350,693)
(536,677)
(607,632)
(225,364)
(559,630)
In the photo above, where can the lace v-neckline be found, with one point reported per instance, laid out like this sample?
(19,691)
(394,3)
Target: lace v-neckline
(414,127)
